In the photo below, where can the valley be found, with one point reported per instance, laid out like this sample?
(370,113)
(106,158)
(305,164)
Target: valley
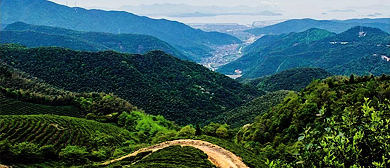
(86,87)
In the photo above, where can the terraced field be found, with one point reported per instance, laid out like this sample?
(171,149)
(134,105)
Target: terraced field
(54,130)
(220,157)
(9,106)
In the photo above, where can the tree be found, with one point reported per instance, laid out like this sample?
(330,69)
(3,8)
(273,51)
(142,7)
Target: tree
(74,155)
(222,132)
(198,130)
(352,79)
(26,152)
(211,129)
(187,131)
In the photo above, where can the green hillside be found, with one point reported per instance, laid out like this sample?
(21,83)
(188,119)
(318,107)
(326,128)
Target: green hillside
(11,106)
(336,122)
(193,42)
(327,52)
(247,113)
(54,130)
(292,79)
(22,94)
(277,42)
(337,26)
(38,36)
(156,82)
(370,64)
(31,138)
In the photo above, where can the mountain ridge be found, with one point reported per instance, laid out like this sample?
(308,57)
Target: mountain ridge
(285,52)
(37,36)
(336,26)
(41,12)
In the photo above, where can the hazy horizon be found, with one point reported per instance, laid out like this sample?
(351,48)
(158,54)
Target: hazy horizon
(316,9)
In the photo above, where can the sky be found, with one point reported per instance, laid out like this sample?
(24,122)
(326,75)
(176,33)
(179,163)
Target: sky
(291,9)
(285,3)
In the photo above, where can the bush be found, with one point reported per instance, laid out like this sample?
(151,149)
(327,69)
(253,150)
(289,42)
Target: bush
(74,155)
(222,132)
(187,131)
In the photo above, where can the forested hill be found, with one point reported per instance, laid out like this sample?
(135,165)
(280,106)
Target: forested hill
(336,122)
(158,83)
(328,52)
(292,79)
(337,26)
(37,36)
(42,12)
(277,42)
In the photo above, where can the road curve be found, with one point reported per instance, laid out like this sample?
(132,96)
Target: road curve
(220,157)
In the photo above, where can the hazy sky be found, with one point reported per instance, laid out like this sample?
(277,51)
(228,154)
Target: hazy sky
(284,3)
(317,9)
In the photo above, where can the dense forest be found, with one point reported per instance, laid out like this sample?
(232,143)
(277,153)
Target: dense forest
(155,82)
(336,122)
(292,79)
(39,36)
(245,114)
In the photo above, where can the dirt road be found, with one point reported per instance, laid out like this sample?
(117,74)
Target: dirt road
(218,156)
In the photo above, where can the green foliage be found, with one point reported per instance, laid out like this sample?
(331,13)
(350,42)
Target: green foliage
(359,139)
(245,114)
(20,88)
(339,127)
(187,131)
(74,155)
(10,106)
(222,132)
(60,131)
(146,125)
(171,157)
(292,79)
(164,136)
(25,153)
(156,82)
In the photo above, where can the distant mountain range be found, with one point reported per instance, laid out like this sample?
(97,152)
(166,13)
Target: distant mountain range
(191,42)
(173,10)
(336,26)
(37,36)
(337,53)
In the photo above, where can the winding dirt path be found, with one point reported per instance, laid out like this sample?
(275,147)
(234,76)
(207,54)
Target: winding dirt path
(220,157)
